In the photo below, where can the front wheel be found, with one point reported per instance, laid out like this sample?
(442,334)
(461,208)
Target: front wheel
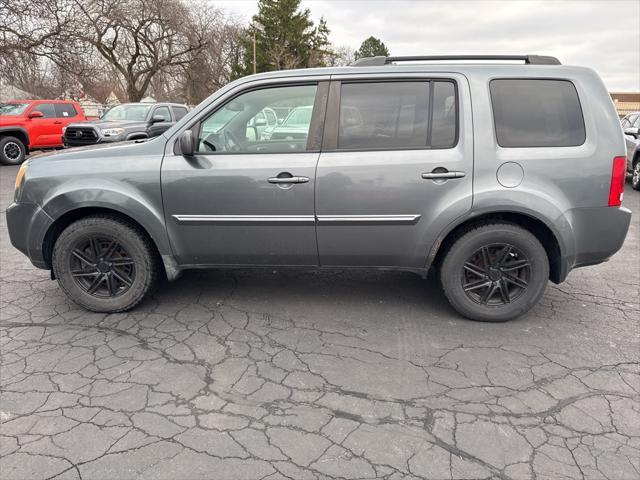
(104,264)
(12,151)
(495,272)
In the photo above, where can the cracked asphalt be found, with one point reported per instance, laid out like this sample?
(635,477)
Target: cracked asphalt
(303,375)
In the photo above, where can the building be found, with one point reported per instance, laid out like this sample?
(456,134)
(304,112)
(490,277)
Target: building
(626,102)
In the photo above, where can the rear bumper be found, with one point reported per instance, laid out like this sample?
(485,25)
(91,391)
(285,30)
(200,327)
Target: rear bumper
(28,224)
(597,234)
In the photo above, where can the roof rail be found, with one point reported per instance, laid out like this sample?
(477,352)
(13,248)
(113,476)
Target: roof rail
(527,59)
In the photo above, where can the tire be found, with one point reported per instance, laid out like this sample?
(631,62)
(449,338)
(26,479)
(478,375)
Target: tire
(480,260)
(127,274)
(635,175)
(12,151)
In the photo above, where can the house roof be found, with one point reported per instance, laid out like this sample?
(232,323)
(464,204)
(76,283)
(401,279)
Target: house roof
(9,92)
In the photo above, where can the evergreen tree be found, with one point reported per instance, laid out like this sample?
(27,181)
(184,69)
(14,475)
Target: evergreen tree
(372,47)
(285,38)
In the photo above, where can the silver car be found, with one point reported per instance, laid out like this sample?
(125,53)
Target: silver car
(467,168)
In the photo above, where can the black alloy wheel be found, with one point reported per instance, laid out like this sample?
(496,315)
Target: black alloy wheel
(102,267)
(496,275)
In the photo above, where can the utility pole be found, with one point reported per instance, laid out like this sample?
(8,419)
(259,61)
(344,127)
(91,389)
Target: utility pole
(254,49)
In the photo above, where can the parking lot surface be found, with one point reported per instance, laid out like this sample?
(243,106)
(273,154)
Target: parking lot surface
(333,374)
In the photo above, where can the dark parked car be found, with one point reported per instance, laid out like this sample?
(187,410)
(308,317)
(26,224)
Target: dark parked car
(499,176)
(631,129)
(129,121)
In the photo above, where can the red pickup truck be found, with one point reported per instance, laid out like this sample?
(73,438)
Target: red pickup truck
(27,125)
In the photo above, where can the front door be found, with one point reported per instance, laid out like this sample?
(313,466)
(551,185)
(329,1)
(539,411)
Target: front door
(242,200)
(396,168)
(45,131)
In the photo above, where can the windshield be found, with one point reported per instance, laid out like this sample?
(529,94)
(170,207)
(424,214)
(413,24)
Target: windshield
(299,116)
(127,112)
(12,108)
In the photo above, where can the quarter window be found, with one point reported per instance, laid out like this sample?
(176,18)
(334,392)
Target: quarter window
(398,115)
(248,123)
(537,113)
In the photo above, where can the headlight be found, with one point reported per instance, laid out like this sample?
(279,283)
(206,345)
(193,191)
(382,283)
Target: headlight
(64,129)
(112,132)
(20,181)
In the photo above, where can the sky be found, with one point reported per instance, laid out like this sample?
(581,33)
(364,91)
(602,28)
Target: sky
(601,34)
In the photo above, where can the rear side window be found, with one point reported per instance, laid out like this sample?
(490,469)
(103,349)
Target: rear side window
(179,112)
(388,115)
(65,110)
(537,113)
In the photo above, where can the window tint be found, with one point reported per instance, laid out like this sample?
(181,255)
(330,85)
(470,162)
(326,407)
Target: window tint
(47,109)
(65,110)
(443,125)
(537,113)
(235,128)
(162,112)
(383,115)
(179,112)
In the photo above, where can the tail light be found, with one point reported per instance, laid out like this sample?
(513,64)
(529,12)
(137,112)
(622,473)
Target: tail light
(616,190)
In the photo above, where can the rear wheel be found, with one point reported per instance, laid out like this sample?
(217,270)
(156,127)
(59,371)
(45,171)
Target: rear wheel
(12,151)
(495,272)
(635,176)
(104,264)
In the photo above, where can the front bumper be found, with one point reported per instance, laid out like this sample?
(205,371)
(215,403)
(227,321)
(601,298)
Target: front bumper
(28,224)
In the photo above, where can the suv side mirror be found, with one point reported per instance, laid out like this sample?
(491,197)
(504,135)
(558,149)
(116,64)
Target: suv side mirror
(36,114)
(633,131)
(157,119)
(187,144)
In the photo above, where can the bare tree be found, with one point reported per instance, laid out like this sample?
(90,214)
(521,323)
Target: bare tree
(139,38)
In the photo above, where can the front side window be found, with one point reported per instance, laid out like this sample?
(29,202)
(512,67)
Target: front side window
(162,112)
(132,112)
(243,125)
(65,110)
(537,113)
(402,114)
(47,109)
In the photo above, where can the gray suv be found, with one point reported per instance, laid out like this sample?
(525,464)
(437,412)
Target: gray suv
(404,164)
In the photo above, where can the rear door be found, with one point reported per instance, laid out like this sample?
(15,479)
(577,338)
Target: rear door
(66,113)
(395,169)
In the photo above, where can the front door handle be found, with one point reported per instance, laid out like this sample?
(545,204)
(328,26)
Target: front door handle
(281,180)
(442,175)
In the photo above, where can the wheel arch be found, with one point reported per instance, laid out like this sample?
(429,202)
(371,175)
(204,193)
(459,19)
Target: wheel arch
(148,224)
(550,239)
(18,132)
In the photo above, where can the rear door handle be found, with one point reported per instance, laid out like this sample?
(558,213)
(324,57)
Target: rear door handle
(281,180)
(442,175)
